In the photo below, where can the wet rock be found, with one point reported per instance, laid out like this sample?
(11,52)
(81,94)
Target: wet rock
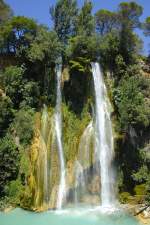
(91,199)
(94,186)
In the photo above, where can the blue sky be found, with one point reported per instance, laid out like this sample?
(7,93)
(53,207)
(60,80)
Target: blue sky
(39,10)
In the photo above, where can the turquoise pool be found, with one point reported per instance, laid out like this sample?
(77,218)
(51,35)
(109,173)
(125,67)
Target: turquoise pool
(66,217)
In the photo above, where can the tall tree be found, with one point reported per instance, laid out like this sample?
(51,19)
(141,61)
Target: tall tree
(17,34)
(129,14)
(146,26)
(106,21)
(5,12)
(9,163)
(64,16)
(85,20)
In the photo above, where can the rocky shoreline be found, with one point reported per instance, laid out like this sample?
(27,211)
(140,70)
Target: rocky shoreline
(141,212)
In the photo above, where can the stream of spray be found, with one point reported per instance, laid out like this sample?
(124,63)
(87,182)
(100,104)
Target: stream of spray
(104,148)
(82,163)
(58,128)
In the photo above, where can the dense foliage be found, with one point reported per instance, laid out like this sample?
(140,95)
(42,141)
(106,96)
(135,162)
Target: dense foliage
(28,55)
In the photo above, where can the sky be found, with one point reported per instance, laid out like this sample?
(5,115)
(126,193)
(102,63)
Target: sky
(39,10)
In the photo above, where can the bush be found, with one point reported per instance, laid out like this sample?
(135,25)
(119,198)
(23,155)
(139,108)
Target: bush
(6,114)
(9,162)
(84,47)
(13,83)
(124,197)
(14,191)
(23,125)
(140,189)
(131,104)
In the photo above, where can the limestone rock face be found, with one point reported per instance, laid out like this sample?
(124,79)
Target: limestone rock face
(53,197)
(94,186)
(91,199)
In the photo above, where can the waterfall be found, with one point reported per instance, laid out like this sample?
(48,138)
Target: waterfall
(104,137)
(92,172)
(44,133)
(83,163)
(58,129)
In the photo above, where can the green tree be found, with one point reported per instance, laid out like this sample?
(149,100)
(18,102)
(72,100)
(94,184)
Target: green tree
(106,21)
(5,12)
(14,190)
(64,16)
(146,26)
(109,50)
(129,14)
(44,52)
(30,94)
(85,47)
(6,114)
(9,162)
(23,125)
(131,105)
(142,174)
(17,34)
(21,91)
(12,81)
(45,47)
(85,20)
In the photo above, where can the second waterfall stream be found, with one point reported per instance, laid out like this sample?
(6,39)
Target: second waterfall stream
(104,148)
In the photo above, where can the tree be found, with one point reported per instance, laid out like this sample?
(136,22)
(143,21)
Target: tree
(17,34)
(146,26)
(129,14)
(6,114)
(108,50)
(5,12)
(106,21)
(64,16)
(45,51)
(30,94)
(45,47)
(85,20)
(131,105)
(85,47)
(13,83)
(23,125)
(9,162)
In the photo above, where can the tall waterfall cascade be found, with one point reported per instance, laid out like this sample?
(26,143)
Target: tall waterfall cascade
(88,178)
(104,149)
(58,130)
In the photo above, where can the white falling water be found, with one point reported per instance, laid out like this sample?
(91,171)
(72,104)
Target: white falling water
(84,146)
(79,181)
(104,137)
(83,162)
(58,128)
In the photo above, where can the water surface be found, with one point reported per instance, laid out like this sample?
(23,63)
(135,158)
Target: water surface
(66,217)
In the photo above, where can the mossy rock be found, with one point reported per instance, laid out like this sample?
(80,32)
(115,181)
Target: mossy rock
(140,189)
(124,197)
(140,193)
